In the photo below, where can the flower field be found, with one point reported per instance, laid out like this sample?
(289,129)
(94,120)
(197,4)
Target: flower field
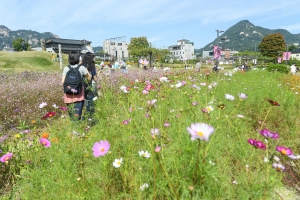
(159,135)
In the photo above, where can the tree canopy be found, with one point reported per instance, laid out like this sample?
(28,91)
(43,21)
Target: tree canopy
(272,45)
(140,47)
(17,44)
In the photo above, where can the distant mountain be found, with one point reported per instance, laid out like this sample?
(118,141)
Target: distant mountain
(97,49)
(32,37)
(246,36)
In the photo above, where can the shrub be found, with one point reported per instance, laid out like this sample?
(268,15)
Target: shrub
(279,68)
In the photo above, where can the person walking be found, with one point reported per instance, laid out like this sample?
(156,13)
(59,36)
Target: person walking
(90,86)
(198,66)
(74,101)
(293,69)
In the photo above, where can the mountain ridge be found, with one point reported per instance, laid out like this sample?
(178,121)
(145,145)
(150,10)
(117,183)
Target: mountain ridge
(244,35)
(32,37)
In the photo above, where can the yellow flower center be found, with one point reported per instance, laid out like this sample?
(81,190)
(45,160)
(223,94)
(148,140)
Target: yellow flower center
(119,162)
(6,158)
(102,149)
(200,133)
(278,169)
(283,152)
(44,143)
(208,109)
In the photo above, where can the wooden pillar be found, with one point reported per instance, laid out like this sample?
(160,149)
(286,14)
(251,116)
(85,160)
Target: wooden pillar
(60,56)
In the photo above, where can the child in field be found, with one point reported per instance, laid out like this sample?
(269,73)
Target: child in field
(91,88)
(75,101)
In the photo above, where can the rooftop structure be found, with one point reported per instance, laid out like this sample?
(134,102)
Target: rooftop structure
(68,45)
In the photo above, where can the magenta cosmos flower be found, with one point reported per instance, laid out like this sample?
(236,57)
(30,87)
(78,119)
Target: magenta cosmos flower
(45,142)
(257,144)
(286,151)
(6,157)
(100,148)
(268,134)
(200,131)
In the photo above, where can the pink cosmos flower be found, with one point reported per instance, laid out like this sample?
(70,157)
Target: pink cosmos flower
(125,122)
(152,102)
(183,83)
(157,149)
(100,148)
(195,103)
(45,142)
(268,134)
(257,144)
(149,87)
(6,157)
(154,132)
(166,124)
(286,151)
(145,92)
(200,131)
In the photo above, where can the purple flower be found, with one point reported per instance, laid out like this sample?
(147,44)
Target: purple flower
(6,157)
(63,108)
(279,167)
(286,151)
(257,144)
(45,142)
(100,148)
(268,134)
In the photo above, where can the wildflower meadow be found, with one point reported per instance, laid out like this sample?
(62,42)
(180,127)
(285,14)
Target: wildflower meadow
(165,134)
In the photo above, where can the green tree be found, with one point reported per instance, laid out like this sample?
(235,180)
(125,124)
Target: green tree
(140,46)
(17,44)
(292,47)
(271,45)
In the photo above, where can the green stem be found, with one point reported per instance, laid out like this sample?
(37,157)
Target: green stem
(167,177)
(265,118)
(197,163)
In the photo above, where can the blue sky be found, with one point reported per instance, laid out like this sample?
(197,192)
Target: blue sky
(163,22)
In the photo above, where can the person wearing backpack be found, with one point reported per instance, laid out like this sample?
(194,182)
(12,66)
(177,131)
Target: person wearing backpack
(72,81)
(90,85)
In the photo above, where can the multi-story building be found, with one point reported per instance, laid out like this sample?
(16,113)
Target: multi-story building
(183,49)
(116,47)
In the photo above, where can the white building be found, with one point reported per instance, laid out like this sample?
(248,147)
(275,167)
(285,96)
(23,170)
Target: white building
(295,54)
(116,47)
(183,49)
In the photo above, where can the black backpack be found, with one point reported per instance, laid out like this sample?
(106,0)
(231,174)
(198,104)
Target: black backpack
(73,81)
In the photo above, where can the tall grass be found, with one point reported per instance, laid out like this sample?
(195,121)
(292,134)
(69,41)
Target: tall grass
(225,167)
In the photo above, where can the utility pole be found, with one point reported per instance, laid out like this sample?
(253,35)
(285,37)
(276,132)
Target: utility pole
(286,61)
(60,56)
(217,41)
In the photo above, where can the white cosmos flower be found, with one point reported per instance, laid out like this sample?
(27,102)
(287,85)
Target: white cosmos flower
(95,98)
(276,158)
(42,105)
(163,79)
(117,163)
(178,85)
(55,106)
(144,154)
(144,186)
(209,108)
(279,167)
(229,97)
(240,116)
(243,96)
(200,131)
